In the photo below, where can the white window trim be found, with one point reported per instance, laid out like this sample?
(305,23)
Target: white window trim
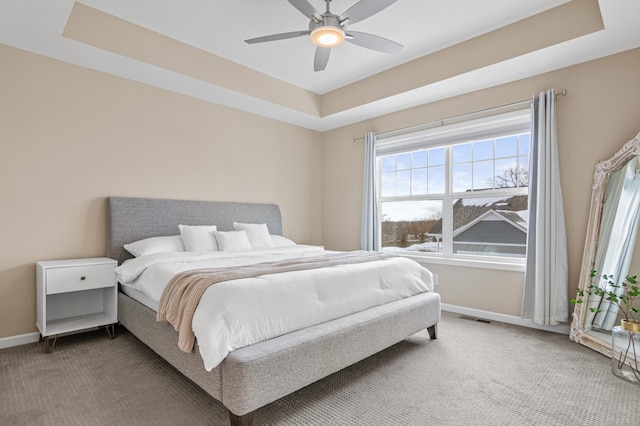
(480,262)
(492,126)
(510,122)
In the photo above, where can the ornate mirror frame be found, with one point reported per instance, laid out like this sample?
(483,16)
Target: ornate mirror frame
(579,331)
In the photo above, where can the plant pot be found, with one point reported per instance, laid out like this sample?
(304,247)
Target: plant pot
(630,325)
(625,354)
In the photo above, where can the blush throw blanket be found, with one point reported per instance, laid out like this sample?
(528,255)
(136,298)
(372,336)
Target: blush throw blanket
(182,294)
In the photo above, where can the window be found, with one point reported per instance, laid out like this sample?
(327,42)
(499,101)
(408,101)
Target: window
(459,190)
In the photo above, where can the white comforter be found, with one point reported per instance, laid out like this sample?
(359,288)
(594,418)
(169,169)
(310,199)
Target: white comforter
(239,313)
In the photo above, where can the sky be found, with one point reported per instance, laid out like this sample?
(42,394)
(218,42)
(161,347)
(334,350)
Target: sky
(411,210)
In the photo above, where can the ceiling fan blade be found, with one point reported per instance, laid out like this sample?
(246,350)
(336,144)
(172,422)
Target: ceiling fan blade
(307,10)
(275,37)
(374,42)
(364,9)
(321,58)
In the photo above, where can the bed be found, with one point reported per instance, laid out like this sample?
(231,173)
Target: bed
(251,376)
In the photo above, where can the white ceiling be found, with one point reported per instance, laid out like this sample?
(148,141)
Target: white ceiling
(219,27)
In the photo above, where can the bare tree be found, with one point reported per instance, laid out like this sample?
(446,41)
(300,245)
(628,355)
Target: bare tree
(513,177)
(403,233)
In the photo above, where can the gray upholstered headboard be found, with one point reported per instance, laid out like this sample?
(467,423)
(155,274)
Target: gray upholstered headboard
(132,219)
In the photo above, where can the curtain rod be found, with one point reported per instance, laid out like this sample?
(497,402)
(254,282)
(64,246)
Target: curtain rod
(562,92)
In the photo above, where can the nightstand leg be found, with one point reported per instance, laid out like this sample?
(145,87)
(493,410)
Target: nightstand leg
(49,348)
(111,330)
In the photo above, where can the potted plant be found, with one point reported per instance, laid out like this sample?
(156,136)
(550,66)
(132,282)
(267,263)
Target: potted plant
(625,348)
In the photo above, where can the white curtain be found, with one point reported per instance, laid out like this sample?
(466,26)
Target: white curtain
(370,226)
(545,299)
(622,238)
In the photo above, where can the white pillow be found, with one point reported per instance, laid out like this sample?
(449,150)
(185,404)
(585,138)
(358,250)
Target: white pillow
(198,237)
(155,245)
(232,240)
(257,233)
(280,241)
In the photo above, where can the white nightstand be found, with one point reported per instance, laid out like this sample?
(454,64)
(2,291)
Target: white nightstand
(75,294)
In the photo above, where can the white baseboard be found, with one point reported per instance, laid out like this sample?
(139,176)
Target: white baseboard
(509,319)
(21,339)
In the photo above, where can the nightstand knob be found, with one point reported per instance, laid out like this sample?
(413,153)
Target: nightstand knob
(82,278)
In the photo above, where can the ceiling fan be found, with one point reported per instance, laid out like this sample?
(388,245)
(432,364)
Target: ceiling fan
(328,30)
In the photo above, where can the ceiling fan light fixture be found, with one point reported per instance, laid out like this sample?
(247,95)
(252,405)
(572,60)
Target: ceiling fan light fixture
(327,36)
(328,30)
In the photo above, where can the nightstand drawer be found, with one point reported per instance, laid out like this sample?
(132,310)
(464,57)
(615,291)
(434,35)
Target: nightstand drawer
(77,278)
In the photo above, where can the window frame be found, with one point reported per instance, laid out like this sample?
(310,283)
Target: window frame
(487,127)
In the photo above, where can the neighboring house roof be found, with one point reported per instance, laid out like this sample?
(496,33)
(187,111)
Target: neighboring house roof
(519,218)
(493,227)
(512,208)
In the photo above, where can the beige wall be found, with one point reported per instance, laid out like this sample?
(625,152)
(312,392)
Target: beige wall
(599,114)
(71,137)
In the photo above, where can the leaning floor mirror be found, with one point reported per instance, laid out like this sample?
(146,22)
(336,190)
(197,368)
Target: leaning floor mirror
(611,245)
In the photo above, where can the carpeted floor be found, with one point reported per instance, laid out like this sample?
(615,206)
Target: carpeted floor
(474,374)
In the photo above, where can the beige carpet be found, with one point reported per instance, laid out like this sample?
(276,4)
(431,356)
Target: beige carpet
(474,374)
